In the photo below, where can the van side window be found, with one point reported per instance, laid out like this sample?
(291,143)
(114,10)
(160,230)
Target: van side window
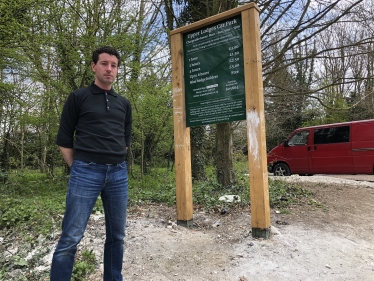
(299,138)
(331,135)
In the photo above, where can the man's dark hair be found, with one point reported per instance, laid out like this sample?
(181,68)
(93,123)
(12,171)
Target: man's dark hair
(105,49)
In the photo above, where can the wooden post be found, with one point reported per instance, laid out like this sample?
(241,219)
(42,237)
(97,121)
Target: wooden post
(257,161)
(258,175)
(181,136)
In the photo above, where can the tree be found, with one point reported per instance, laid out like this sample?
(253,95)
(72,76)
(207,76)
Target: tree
(196,133)
(311,62)
(192,11)
(286,112)
(13,16)
(317,67)
(56,44)
(148,87)
(310,37)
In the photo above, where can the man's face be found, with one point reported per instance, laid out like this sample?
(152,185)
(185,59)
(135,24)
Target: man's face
(105,70)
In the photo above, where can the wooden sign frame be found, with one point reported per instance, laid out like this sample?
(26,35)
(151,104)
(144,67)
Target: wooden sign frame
(255,118)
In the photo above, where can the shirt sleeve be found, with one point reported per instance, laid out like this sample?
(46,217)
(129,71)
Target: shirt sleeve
(68,121)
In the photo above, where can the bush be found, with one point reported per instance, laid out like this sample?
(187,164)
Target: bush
(84,266)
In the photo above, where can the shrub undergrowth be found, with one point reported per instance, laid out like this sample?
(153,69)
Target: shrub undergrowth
(32,200)
(84,266)
(36,201)
(32,205)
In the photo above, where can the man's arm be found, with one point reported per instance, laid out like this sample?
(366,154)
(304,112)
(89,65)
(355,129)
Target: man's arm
(68,154)
(128,125)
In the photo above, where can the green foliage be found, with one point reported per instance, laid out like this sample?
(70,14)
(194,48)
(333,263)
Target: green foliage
(317,204)
(31,200)
(156,187)
(98,208)
(32,204)
(17,260)
(3,274)
(153,122)
(206,193)
(13,16)
(283,194)
(84,266)
(159,187)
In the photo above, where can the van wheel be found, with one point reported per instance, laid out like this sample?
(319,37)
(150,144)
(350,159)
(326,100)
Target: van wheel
(281,169)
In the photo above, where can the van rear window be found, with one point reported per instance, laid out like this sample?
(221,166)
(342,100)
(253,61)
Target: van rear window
(331,135)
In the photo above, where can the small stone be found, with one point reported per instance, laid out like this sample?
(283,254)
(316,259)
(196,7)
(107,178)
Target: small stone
(223,211)
(230,198)
(217,223)
(16,273)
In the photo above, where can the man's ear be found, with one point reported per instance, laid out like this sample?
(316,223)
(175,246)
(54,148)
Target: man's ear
(93,66)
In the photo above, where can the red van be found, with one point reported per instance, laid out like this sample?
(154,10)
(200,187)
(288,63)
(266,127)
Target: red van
(341,148)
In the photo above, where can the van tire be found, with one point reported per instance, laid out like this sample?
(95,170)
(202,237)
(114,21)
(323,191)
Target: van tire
(281,169)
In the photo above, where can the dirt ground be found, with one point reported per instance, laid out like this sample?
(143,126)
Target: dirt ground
(330,238)
(326,237)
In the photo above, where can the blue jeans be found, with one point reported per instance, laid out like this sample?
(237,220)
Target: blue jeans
(87,182)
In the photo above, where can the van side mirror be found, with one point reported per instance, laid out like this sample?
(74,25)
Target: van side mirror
(286,143)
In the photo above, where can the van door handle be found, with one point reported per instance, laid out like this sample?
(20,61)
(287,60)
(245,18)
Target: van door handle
(308,148)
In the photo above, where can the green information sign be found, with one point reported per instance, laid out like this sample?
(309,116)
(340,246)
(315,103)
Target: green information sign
(214,73)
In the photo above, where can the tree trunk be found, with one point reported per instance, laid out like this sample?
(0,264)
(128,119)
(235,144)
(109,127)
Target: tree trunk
(4,165)
(22,160)
(224,155)
(197,153)
(142,157)
(43,159)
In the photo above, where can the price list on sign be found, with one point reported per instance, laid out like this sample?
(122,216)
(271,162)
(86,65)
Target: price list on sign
(214,73)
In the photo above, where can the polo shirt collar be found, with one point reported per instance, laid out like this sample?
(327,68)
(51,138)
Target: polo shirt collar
(96,90)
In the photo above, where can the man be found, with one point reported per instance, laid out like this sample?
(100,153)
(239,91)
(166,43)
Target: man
(94,136)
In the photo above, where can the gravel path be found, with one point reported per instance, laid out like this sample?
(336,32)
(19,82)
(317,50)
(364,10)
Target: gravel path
(358,180)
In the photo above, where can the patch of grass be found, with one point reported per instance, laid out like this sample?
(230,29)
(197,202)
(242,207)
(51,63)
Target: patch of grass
(84,266)
(31,204)
(3,274)
(283,194)
(155,187)
(284,211)
(317,204)
(32,200)
(159,187)
(206,193)
(36,201)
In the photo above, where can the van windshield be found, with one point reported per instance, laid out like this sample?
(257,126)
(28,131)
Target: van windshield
(299,138)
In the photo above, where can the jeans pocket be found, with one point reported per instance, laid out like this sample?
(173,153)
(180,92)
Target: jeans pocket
(122,165)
